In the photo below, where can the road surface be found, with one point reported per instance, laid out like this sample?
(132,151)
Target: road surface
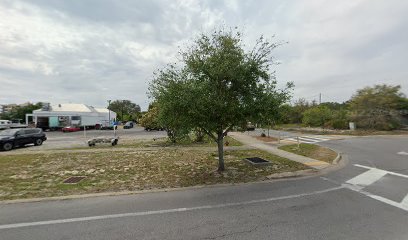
(367,199)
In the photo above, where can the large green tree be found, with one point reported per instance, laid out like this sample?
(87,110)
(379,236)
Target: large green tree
(220,85)
(378,107)
(126,109)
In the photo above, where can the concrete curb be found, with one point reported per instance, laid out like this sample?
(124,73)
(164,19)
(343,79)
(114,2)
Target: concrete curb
(337,159)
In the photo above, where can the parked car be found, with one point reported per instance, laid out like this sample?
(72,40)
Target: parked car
(250,127)
(70,129)
(4,124)
(152,128)
(110,127)
(16,123)
(128,125)
(11,138)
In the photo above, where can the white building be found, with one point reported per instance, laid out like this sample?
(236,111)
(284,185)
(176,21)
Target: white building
(69,114)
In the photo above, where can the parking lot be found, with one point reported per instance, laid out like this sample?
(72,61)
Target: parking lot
(60,140)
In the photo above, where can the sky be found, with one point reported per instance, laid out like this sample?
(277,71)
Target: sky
(89,51)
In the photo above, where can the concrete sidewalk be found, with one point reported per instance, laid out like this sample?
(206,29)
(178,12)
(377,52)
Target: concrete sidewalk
(253,142)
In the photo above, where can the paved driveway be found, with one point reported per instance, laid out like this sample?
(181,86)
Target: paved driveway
(58,140)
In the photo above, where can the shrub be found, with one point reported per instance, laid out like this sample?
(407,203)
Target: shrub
(317,116)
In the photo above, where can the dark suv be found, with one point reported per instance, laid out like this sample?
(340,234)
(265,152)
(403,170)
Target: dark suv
(128,125)
(11,138)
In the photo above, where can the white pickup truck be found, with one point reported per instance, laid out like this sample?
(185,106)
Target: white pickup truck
(4,124)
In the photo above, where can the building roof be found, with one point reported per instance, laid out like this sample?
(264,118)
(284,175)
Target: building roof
(73,107)
(102,110)
(70,107)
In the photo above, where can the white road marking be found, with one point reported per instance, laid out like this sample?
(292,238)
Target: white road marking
(402,153)
(367,178)
(404,201)
(308,139)
(146,213)
(300,140)
(373,174)
(401,205)
(392,173)
(318,138)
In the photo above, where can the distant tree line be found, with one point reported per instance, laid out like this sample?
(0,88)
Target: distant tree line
(125,110)
(19,112)
(381,107)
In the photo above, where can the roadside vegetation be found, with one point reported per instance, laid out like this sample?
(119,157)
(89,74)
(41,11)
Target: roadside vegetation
(377,108)
(19,112)
(42,175)
(312,151)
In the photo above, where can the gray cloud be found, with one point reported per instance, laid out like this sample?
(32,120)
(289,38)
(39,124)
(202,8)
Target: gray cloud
(90,51)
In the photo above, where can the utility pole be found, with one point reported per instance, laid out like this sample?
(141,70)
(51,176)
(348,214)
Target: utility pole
(320,98)
(123,102)
(109,101)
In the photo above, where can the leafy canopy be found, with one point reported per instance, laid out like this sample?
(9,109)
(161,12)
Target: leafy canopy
(378,107)
(218,86)
(126,109)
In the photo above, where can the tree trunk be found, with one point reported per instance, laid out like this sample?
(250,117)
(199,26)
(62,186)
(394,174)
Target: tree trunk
(220,143)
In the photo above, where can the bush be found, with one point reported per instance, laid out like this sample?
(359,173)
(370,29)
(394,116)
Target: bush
(378,107)
(317,116)
(340,120)
(378,122)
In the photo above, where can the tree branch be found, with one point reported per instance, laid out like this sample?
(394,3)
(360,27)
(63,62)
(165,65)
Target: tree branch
(209,134)
(226,131)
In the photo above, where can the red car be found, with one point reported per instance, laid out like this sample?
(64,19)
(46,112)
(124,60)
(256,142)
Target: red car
(70,129)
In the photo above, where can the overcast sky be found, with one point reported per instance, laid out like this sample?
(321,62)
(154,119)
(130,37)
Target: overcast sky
(88,51)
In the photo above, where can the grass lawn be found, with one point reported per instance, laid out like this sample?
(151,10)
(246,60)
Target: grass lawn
(312,151)
(42,174)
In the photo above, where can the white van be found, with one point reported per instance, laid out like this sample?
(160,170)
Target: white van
(5,124)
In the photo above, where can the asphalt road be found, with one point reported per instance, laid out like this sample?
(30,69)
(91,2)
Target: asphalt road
(367,199)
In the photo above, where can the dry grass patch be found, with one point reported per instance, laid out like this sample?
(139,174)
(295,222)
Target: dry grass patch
(41,175)
(160,142)
(312,151)
(266,139)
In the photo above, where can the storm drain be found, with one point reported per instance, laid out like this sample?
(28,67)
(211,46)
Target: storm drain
(73,180)
(257,161)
